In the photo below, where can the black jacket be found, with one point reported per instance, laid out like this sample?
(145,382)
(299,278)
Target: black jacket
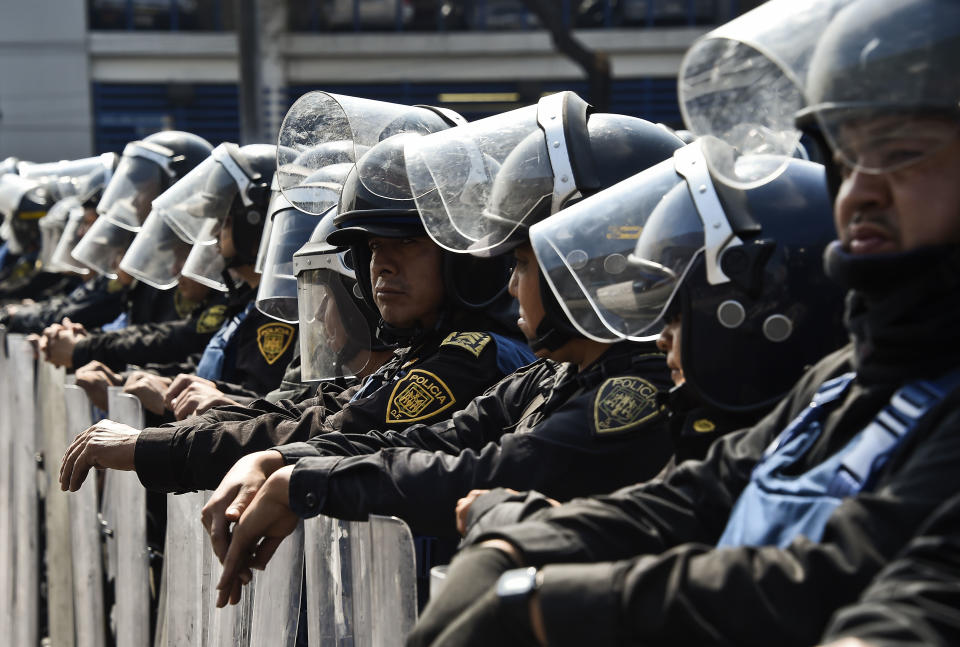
(547,426)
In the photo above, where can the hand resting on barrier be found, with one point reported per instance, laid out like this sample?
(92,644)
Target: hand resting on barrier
(149,389)
(60,340)
(256,537)
(191,395)
(94,378)
(105,445)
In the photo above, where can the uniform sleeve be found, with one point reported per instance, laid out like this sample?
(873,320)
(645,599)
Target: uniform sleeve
(197,453)
(916,599)
(679,589)
(141,344)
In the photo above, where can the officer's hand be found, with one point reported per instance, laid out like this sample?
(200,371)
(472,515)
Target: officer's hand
(258,534)
(148,388)
(463,507)
(472,573)
(179,384)
(38,343)
(196,399)
(105,445)
(60,341)
(234,494)
(94,378)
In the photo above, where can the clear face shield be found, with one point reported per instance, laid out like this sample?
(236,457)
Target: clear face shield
(140,177)
(205,264)
(205,193)
(102,247)
(478,184)
(157,255)
(741,85)
(615,259)
(888,97)
(320,127)
(12,190)
(78,222)
(334,334)
(52,227)
(79,177)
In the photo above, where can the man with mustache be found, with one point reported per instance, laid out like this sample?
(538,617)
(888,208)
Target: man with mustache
(793,517)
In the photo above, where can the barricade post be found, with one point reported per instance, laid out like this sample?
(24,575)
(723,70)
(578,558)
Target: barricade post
(26,566)
(229,626)
(6,488)
(276,600)
(85,535)
(52,416)
(131,613)
(183,615)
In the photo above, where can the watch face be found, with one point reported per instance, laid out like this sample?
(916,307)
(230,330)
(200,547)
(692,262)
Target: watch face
(517,583)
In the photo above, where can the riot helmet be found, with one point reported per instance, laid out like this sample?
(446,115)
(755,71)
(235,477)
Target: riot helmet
(81,177)
(230,186)
(146,169)
(323,128)
(79,218)
(742,267)
(337,325)
(52,227)
(288,229)
(479,192)
(23,202)
(881,88)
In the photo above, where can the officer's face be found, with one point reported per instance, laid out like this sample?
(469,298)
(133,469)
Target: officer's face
(904,209)
(406,275)
(525,288)
(669,342)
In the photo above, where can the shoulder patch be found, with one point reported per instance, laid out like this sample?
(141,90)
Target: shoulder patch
(211,319)
(703,426)
(419,395)
(273,339)
(623,403)
(472,342)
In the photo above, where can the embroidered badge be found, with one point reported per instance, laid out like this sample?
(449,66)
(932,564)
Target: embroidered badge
(472,342)
(419,395)
(274,339)
(623,403)
(211,319)
(703,426)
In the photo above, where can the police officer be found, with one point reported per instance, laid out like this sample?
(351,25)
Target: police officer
(810,503)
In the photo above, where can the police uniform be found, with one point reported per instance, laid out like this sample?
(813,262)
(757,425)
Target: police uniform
(547,426)
(446,376)
(93,304)
(149,342)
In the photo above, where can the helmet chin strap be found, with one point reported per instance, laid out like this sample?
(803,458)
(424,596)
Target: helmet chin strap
(548,337)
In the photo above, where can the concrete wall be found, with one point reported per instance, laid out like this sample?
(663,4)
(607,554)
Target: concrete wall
(45,111)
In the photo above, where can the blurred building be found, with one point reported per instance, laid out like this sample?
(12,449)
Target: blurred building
(78,78)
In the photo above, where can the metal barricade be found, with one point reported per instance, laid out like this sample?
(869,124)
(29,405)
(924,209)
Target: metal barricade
(131,613)
(183,615)
(25,519)
(229,626)
(276,601)
(85,536)
(361,581)
(51,411)
(6,488)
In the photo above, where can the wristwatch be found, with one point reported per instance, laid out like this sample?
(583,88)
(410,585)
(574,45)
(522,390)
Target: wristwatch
(515,587)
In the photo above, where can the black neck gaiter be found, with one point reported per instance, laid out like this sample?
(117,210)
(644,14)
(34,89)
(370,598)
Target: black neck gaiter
(902,311)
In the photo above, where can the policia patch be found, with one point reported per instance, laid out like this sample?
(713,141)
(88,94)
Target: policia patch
(211,319)
(472,342)
(622,403)
(419,395)
(274,339)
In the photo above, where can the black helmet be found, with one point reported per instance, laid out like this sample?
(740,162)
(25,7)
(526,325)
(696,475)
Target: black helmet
(381,205)
(248,214)
(25,222)
(742,266)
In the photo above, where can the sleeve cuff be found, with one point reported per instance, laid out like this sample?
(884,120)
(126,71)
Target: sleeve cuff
(538,542)
(580,604)
(153,458)
(293,452)
(308,484)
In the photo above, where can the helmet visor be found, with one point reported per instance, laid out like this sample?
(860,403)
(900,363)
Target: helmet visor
(205,193)
(334,335)
(452,175)
(52,227)
(318,123)
(139,178)
(204,263)
(12,190)
(157,254)
(73,231)
(102,247)
(742,84)
(277,293)
(615,259)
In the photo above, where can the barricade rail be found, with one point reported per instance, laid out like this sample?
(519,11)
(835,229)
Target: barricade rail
(77,567)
